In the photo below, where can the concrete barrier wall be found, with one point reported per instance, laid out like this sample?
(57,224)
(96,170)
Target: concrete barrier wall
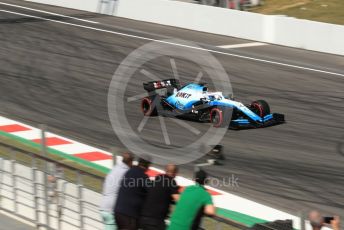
(193,16)
(310,35)
(279,30)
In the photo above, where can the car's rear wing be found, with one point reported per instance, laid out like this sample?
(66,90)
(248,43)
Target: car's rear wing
(154,85)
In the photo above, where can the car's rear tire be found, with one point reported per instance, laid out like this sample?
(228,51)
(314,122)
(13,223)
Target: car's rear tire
(147,107)
(260,107)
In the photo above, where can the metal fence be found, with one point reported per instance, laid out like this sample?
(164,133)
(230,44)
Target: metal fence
(40,192)
(55,195)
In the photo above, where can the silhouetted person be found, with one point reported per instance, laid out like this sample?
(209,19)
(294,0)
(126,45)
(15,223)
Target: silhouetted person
(158,200)
(317,221)
(131,196)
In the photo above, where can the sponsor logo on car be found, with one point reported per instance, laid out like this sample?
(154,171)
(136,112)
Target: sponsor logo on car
(183,95)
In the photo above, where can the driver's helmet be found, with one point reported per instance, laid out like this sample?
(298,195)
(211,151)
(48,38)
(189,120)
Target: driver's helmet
(218,97)
(215,97)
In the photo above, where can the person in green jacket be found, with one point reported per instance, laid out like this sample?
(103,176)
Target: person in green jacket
(193,200)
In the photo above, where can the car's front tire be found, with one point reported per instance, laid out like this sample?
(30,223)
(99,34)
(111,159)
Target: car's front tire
(260,107)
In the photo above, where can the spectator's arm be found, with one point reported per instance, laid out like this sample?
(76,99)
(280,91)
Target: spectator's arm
(175,197)
(210,210)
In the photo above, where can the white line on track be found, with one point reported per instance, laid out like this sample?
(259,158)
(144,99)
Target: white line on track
(243,45)
(182,45)
(47,12)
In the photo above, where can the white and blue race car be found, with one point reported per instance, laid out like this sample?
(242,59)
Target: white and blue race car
(194,101)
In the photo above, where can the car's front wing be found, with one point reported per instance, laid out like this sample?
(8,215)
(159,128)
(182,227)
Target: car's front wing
(268,120)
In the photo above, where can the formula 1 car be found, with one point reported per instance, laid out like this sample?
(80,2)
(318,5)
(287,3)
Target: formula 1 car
(194,101)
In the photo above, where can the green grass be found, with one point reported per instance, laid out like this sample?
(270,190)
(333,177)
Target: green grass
(329,11)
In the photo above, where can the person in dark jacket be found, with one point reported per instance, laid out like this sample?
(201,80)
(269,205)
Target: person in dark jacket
(158,200)
(132,195)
